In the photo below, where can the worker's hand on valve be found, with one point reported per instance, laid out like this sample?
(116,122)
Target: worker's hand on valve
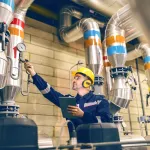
(29,68)
(75,111)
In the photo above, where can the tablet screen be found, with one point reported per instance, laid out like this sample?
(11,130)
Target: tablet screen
(64,102)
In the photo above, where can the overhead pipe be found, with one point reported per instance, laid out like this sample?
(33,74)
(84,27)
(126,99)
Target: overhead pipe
(6,15)
(141,14)
(40,10)
(71,32)
(88,28)
(132,55)
(97,5)
(120,29)
(14,51)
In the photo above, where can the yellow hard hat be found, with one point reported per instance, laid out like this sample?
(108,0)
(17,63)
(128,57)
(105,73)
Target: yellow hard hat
(87,72)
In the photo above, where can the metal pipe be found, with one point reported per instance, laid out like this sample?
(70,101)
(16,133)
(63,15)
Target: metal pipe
(69,32)
(141,94)
(89,28)
(92,37)
(132,55)
(141,11)
(6,16)
(98,5)
(130,122)
(143,49)
(138,142)
(119,29)
(6,11)
(23,7)
(16,29)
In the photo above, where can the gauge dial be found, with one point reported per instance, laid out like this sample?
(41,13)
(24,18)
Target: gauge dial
(21,47)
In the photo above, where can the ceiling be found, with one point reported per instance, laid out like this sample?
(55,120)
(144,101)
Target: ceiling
(47,11)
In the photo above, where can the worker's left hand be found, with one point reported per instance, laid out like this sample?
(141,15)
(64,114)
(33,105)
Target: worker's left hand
(75,111)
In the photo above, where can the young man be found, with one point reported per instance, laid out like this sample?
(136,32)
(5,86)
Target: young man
(90,108)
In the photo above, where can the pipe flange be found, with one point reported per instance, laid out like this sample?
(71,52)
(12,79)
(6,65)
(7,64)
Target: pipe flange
(9,110)
(119,71)
(98,80)
(7,37)
(117,119)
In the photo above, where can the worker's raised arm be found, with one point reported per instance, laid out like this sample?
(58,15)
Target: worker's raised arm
(45,88)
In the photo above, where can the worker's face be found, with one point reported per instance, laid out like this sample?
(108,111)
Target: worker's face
(77,82)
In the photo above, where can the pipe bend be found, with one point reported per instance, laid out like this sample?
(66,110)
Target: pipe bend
(72,11)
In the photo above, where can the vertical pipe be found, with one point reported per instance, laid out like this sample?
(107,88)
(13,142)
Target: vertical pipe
(140,89)
(107,67)
(92,45)
(6,15)
(115,36)
(129,114)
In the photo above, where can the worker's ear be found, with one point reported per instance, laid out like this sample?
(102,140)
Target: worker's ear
(86,83)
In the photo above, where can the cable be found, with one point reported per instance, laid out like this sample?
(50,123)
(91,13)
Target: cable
(62,127)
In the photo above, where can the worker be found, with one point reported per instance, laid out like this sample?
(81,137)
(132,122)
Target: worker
(90,108)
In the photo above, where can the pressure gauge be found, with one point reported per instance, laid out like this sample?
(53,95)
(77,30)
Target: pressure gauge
(21,47)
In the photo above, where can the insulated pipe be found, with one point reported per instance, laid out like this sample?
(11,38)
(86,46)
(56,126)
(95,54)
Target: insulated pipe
(141,11)
(125,20)
(98,5)
(132,55)
(92,38)
(6,15)
(16,28)
(120,27)
(92,44)
(7,8)
(69,32)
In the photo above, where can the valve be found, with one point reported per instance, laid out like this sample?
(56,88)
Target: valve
(131,70)
(129,81)
(26,93)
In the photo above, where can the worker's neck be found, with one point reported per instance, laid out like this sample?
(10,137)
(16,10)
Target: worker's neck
(83,92)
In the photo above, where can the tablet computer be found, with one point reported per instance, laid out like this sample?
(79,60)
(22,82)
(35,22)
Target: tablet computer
(64,102)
